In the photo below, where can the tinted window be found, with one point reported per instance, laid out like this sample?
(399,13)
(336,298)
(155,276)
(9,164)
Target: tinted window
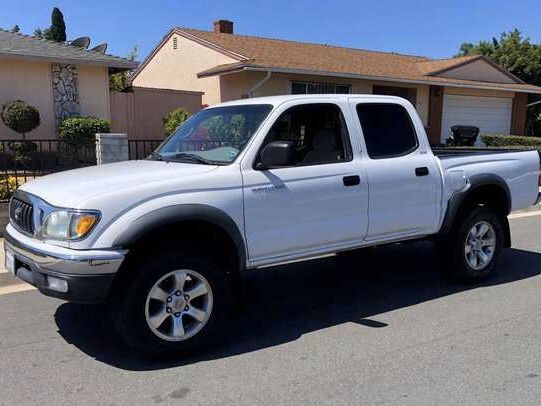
(387,128)
(318,131)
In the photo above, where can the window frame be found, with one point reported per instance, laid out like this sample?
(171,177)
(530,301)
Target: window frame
(307,83)
(411,124)
(346,139)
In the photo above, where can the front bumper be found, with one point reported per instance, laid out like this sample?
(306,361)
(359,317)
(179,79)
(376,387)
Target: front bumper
(84,276)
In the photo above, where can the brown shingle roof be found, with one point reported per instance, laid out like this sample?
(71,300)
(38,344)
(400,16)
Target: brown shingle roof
(258,53)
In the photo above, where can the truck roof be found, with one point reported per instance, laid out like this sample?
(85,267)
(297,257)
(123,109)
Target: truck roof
(277,100)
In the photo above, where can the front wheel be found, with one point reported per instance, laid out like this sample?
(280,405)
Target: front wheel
(174,303)
(476,244)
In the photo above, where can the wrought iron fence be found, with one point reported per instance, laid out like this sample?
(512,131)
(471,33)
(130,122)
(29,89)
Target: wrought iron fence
(21,161)
(24,160)
(140,149)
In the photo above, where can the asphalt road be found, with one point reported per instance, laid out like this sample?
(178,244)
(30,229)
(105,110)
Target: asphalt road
(384,328)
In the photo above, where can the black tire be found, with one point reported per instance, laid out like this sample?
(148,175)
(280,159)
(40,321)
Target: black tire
(129,301)
(460,268)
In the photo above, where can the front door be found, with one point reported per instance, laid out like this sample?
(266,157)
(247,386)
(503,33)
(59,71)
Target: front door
(314,203)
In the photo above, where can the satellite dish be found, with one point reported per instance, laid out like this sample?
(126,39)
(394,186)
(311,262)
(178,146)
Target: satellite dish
(81,42)
(100,48)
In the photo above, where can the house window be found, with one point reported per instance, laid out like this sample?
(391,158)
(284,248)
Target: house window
(408,93)
(319,88)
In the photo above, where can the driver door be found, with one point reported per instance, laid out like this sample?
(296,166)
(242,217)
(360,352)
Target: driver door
(318,203)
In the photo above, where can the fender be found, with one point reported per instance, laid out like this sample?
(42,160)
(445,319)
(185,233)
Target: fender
(456,201)
(184,212)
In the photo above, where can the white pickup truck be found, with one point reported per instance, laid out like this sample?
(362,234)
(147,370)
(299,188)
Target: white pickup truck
(255,183)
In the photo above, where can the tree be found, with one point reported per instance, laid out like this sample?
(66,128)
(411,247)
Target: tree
(20,117)
(519,56)
(174,119)
(119,81)
(57,30)
(15,29)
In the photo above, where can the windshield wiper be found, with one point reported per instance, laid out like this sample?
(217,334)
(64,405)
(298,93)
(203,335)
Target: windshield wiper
(156,156)
(191,157)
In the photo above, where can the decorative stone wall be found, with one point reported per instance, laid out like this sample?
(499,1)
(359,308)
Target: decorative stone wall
(65,92)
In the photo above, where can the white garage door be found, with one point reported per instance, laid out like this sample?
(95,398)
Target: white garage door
(490,114)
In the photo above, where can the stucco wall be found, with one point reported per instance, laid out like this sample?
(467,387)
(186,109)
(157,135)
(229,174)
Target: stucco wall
(235,86)
(478,70)
(93,83)
(31,82)
(177,69)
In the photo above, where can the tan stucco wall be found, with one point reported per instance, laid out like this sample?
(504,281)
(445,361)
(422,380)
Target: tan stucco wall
(235,86)
(31,82)
(177,69)
(478,70)
(93,85)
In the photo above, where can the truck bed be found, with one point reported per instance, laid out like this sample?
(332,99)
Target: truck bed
(443,153)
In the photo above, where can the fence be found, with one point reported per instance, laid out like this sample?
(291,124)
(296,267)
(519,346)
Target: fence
(23,161)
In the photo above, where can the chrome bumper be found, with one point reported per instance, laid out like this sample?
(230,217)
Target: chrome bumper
(71,262)
(76,276)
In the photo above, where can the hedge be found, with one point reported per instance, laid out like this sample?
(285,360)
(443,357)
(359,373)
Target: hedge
(496,140)
(82,129)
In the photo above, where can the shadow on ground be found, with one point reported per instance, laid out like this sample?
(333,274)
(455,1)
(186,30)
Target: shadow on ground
(282,304)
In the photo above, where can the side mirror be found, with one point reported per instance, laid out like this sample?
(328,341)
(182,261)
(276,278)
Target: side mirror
(277,154)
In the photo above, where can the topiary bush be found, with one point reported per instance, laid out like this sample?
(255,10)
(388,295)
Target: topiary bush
(81,130)
(20,117)
(174,119)
(513,141)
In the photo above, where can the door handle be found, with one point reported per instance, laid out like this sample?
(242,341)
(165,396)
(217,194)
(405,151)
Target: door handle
(422,171)
(351,180)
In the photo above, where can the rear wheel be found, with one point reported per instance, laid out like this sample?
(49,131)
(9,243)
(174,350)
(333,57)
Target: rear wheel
(172,302)
(476,244)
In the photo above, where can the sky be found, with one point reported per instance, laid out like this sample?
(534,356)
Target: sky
(428,28)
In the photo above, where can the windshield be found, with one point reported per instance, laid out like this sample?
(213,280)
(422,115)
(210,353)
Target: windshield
(215,135)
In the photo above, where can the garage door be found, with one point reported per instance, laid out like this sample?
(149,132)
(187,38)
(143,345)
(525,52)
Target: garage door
(490,114)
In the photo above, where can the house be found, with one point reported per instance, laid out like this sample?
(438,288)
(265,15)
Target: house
(471,90)
(60,80)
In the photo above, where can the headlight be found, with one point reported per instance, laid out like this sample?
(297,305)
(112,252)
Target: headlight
(68,225)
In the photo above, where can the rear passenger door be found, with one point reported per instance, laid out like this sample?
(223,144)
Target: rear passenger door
(403,177)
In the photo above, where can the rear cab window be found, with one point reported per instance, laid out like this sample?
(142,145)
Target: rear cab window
(388,130)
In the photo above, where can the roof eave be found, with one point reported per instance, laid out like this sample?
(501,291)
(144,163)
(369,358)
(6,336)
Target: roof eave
(121,65)
(369,77)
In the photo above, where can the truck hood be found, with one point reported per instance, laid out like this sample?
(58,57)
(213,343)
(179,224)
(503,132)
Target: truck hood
(73,188)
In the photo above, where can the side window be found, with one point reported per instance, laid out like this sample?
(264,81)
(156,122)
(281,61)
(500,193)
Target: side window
(318,130)
(388,130)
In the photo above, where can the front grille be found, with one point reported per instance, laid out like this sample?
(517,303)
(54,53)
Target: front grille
(21,214)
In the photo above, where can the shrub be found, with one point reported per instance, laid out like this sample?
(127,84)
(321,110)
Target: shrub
(80,130)
(496,140)
(20,117)
(174,119)
(8,186)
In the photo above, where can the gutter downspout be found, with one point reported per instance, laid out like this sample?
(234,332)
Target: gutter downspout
(259,84)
